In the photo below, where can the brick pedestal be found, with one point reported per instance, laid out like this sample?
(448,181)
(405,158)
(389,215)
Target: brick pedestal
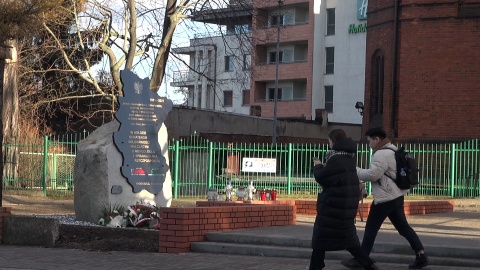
(181,226)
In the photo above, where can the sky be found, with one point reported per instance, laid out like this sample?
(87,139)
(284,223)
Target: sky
(148,24)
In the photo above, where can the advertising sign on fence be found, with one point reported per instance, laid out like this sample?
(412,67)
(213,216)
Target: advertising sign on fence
(266,165)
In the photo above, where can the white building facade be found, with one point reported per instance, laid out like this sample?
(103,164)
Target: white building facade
(329,51)
(218,72)
(339,58)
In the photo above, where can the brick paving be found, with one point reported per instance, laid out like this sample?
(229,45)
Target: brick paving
(35,258)
(465,225)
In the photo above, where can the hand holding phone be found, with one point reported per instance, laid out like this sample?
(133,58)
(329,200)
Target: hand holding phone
(316,161)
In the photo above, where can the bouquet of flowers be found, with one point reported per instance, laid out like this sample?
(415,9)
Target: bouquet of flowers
(140,215)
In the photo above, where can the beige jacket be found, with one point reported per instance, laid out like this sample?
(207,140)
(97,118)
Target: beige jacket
(384,189)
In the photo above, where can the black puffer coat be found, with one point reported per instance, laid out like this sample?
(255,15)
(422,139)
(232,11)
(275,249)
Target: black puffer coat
(337,204)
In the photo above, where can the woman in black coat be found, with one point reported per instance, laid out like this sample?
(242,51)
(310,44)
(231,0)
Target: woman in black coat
(337,204)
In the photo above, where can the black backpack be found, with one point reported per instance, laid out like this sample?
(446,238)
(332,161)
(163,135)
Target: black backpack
(407,169)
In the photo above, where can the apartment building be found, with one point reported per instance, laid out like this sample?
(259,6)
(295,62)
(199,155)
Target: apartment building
(218,73)
(318,71)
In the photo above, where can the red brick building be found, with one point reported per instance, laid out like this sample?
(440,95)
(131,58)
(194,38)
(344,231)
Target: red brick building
(423,68)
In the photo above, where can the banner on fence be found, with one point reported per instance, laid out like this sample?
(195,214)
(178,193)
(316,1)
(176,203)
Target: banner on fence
(267,165)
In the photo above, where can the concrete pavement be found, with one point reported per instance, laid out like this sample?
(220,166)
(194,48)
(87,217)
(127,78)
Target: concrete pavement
(446,235)
(34,258)
(451,239)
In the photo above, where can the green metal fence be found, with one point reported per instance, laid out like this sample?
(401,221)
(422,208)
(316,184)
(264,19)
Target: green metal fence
(41,165)
(46,165)
(446,169)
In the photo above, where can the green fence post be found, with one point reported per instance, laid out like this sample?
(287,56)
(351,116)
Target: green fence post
(289,170)
(175,169)
(452,171)
(53,174)
(210,164)
(45,165)
(370,151)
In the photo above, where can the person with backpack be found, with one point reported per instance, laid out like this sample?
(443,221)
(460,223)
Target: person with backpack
(337,204)
(388,199)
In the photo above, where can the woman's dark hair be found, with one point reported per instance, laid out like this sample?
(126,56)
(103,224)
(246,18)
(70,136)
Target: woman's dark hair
(376,132)
(337,135)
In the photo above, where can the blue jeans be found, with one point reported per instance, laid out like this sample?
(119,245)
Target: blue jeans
(395,212)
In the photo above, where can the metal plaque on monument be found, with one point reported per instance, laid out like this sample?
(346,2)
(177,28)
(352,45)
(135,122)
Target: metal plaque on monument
(141,114)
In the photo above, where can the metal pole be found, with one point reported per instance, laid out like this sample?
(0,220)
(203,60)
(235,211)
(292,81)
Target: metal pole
(210,164)
(175,169)
(45,165)
(289,170)
(275,95)
(453,172)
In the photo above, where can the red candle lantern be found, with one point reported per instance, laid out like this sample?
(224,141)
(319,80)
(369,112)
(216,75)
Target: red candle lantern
(273,195)
(263,195)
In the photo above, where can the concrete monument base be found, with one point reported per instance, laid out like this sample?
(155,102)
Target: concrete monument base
(99,183)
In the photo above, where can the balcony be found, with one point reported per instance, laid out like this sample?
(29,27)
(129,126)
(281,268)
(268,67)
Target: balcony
(290,33)
(298,108)
(183,78)
(286,71)
(234,12)
(293,19)
(280,100)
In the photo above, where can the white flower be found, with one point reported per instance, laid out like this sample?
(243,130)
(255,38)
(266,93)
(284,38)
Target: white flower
(116,222)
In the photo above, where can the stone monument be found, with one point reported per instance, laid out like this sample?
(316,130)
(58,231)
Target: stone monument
(125,161)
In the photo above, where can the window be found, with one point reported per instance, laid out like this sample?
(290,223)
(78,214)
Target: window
(239,29)
(271,94)
(272,57)
(199,99)
(329,98)
(330,21)
(243,29)
(277,19)
(246,97)
(247,61)
(229,63)
(227,98)
(329,60)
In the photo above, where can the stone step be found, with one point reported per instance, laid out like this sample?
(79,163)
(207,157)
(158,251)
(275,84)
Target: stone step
(466,252)
(302,252)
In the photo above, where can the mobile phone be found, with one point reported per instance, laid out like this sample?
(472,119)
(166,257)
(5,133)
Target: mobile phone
(315,159)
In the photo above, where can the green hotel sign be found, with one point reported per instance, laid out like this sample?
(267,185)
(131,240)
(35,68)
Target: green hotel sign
(355,29)
(361,16)
(362,9)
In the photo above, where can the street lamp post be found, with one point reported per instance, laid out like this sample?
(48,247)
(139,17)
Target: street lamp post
(277,61)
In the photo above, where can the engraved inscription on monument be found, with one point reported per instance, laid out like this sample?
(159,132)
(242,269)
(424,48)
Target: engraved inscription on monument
(141,114)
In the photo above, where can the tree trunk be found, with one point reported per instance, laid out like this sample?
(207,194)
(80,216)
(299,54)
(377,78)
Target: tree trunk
(169,24)
(2,70)
(10,113)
